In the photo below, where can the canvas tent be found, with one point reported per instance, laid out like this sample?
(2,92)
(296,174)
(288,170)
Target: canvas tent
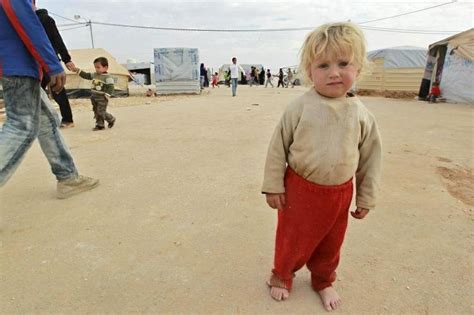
(83,59)
(394,69)
(450,62)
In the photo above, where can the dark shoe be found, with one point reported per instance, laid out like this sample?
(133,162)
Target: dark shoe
(112,123)
(97,128)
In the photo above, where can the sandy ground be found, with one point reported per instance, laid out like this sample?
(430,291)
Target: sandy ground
(178,224)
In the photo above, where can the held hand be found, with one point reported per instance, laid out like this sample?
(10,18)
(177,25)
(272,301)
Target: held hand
(359,213)
(57,82)
(276,201)
(71,66)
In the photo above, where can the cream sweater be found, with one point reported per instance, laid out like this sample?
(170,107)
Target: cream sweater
(326,141)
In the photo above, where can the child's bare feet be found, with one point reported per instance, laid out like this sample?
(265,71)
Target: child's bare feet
(330,298)
(276,292)
(279,294)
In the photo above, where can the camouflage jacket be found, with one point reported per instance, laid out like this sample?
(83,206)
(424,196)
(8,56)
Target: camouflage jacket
(101,83)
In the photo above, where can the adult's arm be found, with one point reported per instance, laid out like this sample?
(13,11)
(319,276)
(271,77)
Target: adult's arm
(55,38)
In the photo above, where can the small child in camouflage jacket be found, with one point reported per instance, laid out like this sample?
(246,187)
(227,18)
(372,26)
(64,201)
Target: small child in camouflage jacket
(101,90)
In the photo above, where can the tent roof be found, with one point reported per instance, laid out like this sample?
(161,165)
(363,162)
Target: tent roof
(400,56)
(463,43)
(84,58)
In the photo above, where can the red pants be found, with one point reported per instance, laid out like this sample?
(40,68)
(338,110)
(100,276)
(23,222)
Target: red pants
(311,229)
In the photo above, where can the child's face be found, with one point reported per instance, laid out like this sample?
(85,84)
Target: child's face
(99,68)
(332,75)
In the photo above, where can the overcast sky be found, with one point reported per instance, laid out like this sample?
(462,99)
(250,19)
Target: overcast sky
(272,49)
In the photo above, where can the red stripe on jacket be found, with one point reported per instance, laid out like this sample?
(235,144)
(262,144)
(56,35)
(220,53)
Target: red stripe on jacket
(24,36)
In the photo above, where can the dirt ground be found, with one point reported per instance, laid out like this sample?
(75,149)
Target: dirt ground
(178,224)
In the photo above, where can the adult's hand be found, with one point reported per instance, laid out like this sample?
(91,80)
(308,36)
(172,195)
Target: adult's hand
(57,82)
(71,66)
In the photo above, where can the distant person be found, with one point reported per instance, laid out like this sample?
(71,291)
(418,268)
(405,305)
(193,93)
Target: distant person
(435,92)
(235,70)
(206,78)
(101,91)
(24,51)
(203,75)
(281,77)
(253,76)
(269,78)
(227,78)
(290,78)
(150,93)
(322,142)
(215,80)
(261,76)
(60,48)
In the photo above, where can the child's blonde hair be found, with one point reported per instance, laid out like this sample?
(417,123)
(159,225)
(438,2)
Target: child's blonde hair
(343,38)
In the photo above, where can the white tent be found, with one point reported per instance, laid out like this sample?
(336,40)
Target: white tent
(450,62)
(394,69)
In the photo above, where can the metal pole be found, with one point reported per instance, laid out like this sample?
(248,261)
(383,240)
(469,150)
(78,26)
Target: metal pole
(92,36)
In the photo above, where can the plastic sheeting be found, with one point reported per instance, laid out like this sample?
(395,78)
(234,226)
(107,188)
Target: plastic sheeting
(457,81)
(177,70)
(400,57)
(176,64)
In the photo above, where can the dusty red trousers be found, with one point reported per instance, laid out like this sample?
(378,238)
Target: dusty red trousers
(311,229)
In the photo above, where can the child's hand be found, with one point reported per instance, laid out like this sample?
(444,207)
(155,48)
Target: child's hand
(276,201)
(359,213)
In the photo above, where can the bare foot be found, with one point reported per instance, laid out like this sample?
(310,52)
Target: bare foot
(277,293)
(330,298)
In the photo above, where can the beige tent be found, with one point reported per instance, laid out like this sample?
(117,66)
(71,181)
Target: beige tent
(84,58)
(394,69)
(451,63)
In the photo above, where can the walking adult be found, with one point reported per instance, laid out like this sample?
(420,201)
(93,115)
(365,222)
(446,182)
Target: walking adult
(235,70)
(269,78)
(290,78)
(60,49)
(253,76)
(203,75)
(281,76)
(24,51)
(261,76)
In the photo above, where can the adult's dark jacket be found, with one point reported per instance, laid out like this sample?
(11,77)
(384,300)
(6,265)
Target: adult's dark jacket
(53,34)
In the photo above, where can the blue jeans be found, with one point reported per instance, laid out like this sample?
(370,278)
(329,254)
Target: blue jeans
(201,82)
(234,86)
(30,116)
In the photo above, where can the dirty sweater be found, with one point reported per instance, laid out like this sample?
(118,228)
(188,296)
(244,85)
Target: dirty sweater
(326,141)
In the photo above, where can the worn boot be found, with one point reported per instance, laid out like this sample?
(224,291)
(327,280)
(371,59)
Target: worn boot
(74,185)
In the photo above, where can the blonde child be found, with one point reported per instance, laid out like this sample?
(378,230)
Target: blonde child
(323,140)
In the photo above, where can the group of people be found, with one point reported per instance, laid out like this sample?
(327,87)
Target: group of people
(255,76)
(323,140)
